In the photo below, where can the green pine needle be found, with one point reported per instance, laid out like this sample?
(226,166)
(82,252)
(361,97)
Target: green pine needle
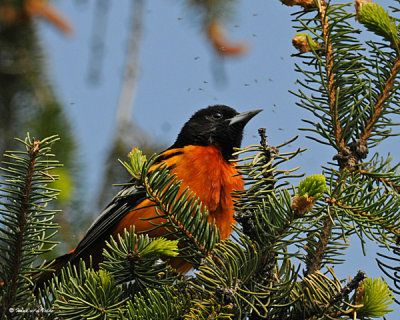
(377,19)
(164,303)
(313,186)
(160,247)
(136,162)
(87,294)
(133,257)
(376,298)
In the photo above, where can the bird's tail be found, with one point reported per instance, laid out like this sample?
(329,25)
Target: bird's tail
(54,267)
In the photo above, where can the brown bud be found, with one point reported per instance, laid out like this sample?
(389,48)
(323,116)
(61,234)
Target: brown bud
(359,293)
(302,204)
(358,4)
(301,43)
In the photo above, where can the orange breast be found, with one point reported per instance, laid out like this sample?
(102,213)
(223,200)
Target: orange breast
(209,175)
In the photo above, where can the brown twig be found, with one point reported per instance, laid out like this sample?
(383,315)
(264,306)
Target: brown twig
(349,287)
(318,255)
(337,126)
(315,262)
(352,285)
(380,103)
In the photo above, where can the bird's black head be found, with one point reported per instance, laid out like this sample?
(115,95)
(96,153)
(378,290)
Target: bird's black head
(218,125)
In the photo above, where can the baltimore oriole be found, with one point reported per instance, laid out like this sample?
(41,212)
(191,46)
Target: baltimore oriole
(200,157)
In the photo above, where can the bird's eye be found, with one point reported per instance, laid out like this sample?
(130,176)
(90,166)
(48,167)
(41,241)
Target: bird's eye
(217,115)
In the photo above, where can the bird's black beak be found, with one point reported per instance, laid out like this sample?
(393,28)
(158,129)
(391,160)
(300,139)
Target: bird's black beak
(244,117)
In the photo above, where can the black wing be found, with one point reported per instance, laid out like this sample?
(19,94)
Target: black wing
(102,228)
(123,203)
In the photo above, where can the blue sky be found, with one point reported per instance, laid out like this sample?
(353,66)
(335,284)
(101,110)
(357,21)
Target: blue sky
(177,77)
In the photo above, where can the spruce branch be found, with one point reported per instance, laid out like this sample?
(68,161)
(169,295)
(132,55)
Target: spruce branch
(265,213)
(373,218)
(366,210)
(164,303)
(27,224)
(33,152)
(137,258)
(329,308)
(381,179)
(377,19)
(259,168)
(227,281)
(363,205)
(315,296)
(82,293)
(244,278)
